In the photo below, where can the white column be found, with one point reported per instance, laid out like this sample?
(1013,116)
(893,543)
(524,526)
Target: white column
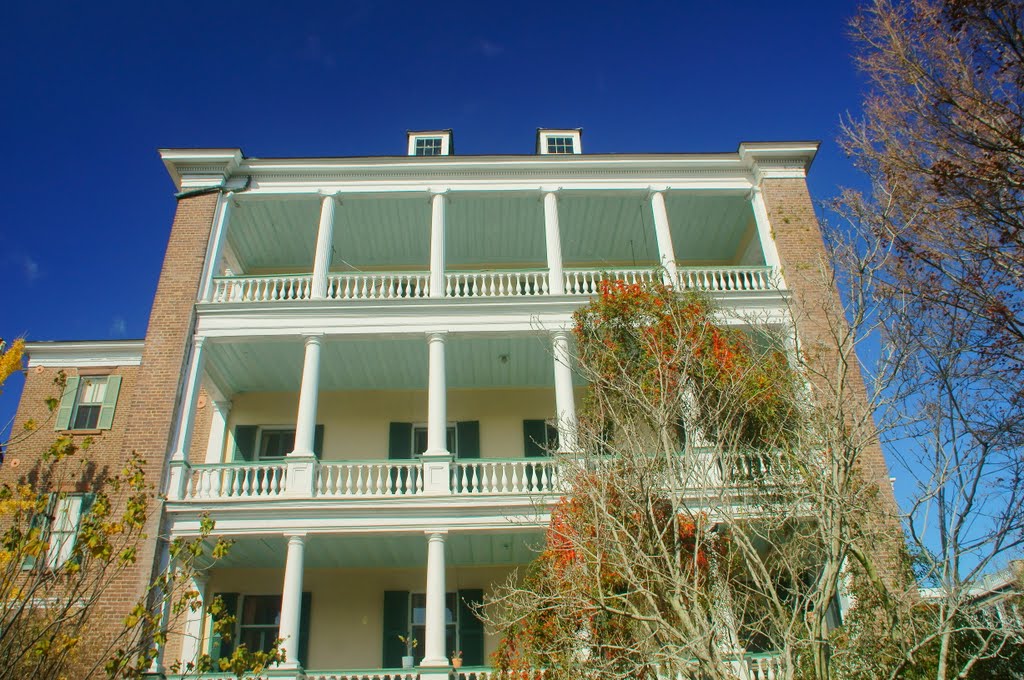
(305,422)
(179,467)
(218,237)
(553,244)
(192,635)
(437,205)
(437,396)
(565,400)
(664,235)
(324,242)
(433,648)
(218,430)
(764,229)
(291,600)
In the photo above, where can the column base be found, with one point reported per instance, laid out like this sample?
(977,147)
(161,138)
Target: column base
(437,473)
(301,481)
(285,673)
(434,672)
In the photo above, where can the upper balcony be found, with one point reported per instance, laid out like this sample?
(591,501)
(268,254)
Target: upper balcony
(499,244)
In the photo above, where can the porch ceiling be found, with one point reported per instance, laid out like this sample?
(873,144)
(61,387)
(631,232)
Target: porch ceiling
(386,551)
(486,230)
(382,364)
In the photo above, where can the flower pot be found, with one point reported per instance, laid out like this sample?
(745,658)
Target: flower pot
(408,661)
(456,663)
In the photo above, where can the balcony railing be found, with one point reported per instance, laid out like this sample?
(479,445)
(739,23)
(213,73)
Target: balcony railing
(482,284)
(700,470)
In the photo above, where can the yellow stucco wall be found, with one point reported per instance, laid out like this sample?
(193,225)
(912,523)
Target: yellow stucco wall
(346,624)
(356,423)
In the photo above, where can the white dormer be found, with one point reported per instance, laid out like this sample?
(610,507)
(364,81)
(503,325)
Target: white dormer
(431,143)
(558,142)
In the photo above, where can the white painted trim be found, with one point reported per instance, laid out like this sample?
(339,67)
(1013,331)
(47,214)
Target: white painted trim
(84,353)
(444,135)
(543,134)
(200,168)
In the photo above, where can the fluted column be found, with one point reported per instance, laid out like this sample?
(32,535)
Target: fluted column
(218,430)
(218,237)
(764,229)
(433,648)
(305,422)
(324,245)
(179,464)
(553,244)
(437,217)
(192,635)
(291,599)
(565,400)
(663,232)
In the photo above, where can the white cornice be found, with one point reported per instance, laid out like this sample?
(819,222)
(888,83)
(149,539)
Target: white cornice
(778,160)
(200,168)
(207,168)
(84,353)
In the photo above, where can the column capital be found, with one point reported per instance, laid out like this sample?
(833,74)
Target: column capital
(295,536)
(437,336)
(550,190)
(438,191)
(561,334)
(313,338)
(198,341)
(436,534)
(324,193)
(652,190)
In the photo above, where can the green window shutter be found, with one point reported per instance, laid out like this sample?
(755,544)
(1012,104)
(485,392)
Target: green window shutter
(399,444)
(307,600)
(223,647)
(245,442)
(471,628)
(87,500)
(318,441)
(467,439)
(680,429)
(106,418)
(535,438)
(396,622)
(41,522)
(67,404)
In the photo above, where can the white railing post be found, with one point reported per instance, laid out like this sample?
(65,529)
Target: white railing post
(553,244)
(663,232)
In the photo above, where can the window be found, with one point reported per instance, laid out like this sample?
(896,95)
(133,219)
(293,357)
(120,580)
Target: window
(560,145)
(430,143)
(405,613)
(275,443)
(428,146)
(409,440)
(257,623)
(558,142)
(88,403)
(58,526)
(540,437)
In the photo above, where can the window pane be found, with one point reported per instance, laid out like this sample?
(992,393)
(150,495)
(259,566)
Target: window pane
(86,417)
(276,443)
(263,610)
(91,390)
(63,530)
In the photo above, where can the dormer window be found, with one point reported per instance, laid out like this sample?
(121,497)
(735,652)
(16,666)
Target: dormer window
(431,143)
(558,142)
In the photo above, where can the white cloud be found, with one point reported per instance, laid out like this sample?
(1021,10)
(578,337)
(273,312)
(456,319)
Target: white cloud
(118,326)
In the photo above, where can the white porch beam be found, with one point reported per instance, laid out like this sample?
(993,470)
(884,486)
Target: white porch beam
(437,218)
(433,648)
(291,600)
(324,244)
(663,232)
(553,244)
(565,400)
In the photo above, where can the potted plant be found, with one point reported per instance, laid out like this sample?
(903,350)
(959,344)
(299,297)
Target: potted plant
(457,659)
(408,661)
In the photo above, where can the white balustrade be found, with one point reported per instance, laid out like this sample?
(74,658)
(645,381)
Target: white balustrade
(588,281)
(361,675)
(378,285)
(237,481)
(725,279)
(361,480)
(515,476)
(262,288)
(528,283)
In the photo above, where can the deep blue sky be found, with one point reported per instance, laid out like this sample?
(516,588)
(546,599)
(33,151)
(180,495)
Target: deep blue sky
(89,93)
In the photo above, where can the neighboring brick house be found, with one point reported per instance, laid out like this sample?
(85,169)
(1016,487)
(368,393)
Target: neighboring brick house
(349,365)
